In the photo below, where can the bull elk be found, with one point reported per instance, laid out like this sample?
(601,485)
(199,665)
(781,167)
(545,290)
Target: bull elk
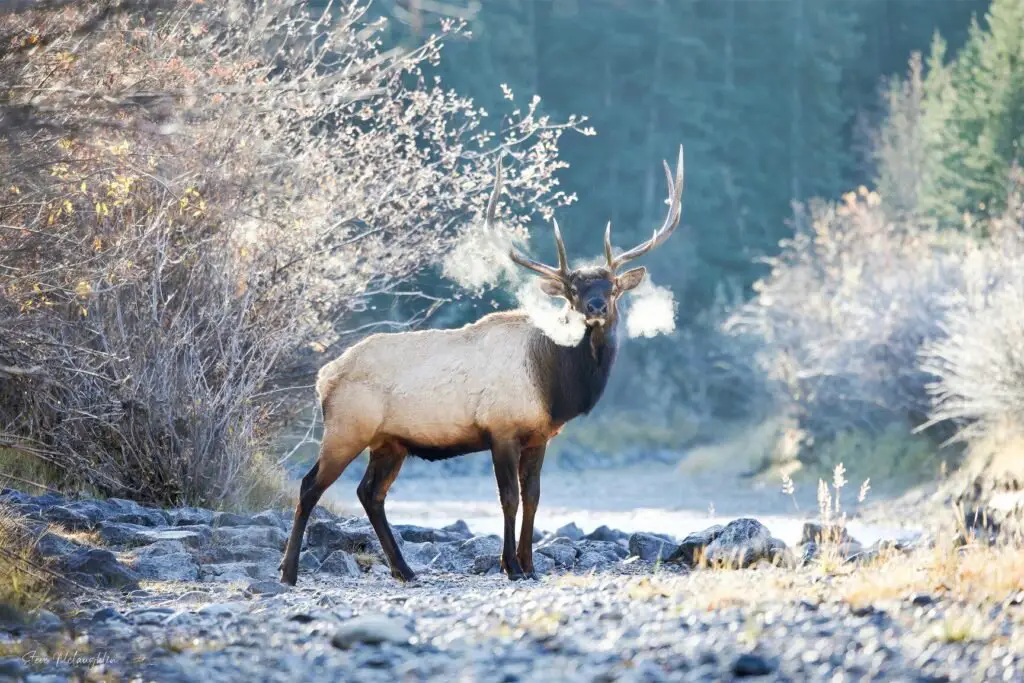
(498,384)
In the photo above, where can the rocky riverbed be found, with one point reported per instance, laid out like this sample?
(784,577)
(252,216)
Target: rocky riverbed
(190,594)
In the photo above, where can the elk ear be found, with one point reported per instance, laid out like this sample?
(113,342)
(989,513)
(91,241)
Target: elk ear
(552,288)
(630,279)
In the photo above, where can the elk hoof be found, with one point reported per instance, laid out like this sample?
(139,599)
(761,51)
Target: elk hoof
(533,575)
(403,574)
(289,577)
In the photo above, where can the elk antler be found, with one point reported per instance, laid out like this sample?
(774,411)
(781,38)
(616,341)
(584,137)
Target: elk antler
(560,273)
(675,210)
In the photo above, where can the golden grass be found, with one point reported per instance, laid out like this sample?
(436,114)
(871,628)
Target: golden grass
(24,583)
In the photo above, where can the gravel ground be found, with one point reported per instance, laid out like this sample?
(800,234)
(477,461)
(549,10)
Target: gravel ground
(610,626)
(191,595)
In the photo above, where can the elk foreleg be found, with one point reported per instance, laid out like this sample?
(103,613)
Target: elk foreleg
(530,462)
(373,489)
(505,456)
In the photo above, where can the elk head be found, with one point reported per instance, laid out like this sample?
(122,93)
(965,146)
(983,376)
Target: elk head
(594,291)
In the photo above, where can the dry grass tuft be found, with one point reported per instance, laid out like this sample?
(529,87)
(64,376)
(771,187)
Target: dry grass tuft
(25,584)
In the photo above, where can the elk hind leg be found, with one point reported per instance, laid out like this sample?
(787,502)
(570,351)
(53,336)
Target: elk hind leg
(530,463)
(505,456)
(335,455)
(381,471)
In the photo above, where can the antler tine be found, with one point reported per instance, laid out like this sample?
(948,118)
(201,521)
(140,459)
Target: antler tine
(560,273)
(675,210)
(608,246)
(492,203)
(563,259)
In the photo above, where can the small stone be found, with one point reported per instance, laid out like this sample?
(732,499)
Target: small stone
(67,518)
(169,567)
(48,621)
(371,630)
(604,533)
(259,536)
(105,614)
(266,588)
(922,600)
(751,665)
(189,516)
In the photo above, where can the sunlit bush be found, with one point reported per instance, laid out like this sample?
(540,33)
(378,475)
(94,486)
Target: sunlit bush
(194,198)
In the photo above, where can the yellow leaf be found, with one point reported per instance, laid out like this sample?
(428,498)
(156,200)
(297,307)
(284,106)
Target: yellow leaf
(83,289)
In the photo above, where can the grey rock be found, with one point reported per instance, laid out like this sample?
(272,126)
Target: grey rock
(13,668)
(171,547)
(51,545)
(693,546)
(258,536)
(651,548)
(570,531)
(613,549)
(189,516)
(130,512)
(419,534)
(105,614)
(542,564)
(308,561)
(222,609)
(459,527)
(750,664)
(266,588)
(604,533)
(48,621)
(485,564)
(371,629)
(98,568)
(120,533)
(67,518)
(227,572)
(221,519)
(334,536)
(167,567)
(239,553)
(341,563)
(480,546)
(191,537)
(271,518)
(742,543)
(562,554)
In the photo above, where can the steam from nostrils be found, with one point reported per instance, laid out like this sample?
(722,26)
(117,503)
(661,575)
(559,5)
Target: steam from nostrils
(652,310)
(552,316)
(480,259)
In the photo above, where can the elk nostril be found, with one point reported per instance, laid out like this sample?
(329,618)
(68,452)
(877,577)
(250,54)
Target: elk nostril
(596,306)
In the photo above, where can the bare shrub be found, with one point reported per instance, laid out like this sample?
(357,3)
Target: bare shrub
(199,197)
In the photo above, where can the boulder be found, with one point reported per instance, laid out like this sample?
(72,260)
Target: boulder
(563,554)
(189,516)
(419,534)
(191,537)
(98,568)
(570,531)
(130,512)
(167,567)
(651,548)
(693,546)
(229,519)
(817,533)
(121,533)
(259,536)
(341,563)
(459,527)
(272,518)
(350,538)
(266,588)
(227,572)
(742,543)
(603,533)
(67,518)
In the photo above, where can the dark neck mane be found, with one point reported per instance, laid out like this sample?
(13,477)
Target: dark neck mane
(572,378)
